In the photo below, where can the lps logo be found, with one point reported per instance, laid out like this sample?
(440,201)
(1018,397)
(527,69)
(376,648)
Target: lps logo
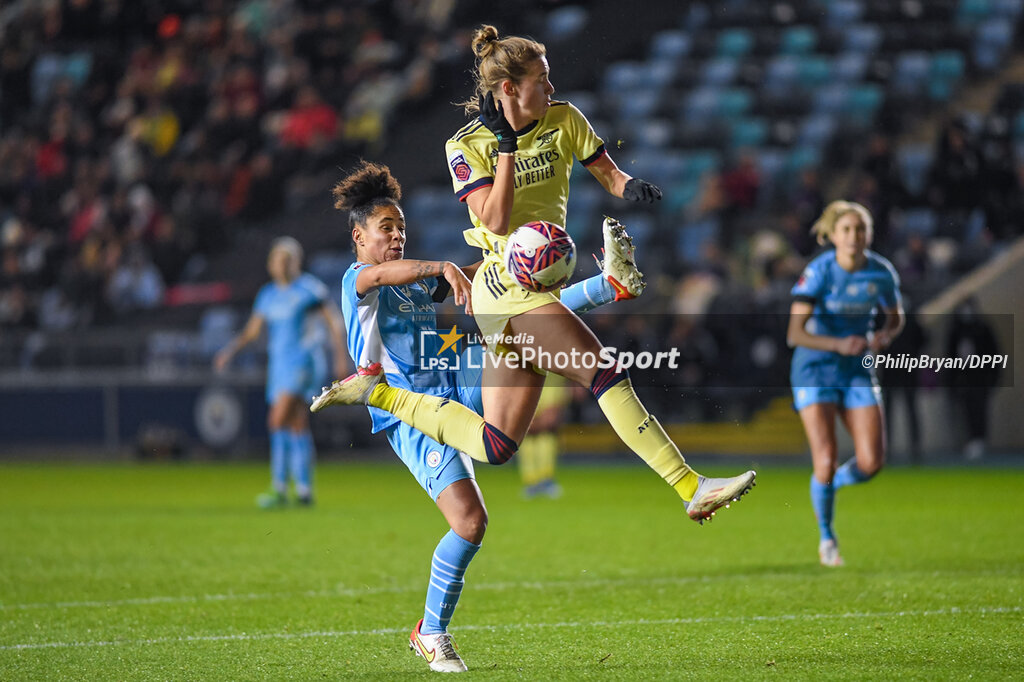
(447,355)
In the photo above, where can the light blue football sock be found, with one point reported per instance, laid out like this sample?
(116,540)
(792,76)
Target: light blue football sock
(447,568)
(279,443)
(823,500)
(849,474)
(301,453)
(589,294)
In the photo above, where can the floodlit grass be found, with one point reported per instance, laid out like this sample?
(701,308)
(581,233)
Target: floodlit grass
(170,572)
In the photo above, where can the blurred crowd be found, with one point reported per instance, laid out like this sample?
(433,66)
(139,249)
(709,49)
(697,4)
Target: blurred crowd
(135,135)
(967,203)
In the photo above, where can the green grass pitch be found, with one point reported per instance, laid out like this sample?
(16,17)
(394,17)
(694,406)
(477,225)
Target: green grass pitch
(163,572)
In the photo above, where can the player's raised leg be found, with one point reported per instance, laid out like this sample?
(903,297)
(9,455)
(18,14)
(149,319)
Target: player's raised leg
(638,429)
(619,279)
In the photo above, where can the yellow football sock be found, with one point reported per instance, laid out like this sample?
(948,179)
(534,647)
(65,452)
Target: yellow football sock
(642,433)
(444,420)
(528,457)
(547,453)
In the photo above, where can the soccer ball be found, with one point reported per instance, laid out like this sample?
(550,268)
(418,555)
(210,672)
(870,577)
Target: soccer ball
(540,256)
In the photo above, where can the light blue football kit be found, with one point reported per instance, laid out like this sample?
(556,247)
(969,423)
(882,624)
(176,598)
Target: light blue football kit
(845,304)
(296,365)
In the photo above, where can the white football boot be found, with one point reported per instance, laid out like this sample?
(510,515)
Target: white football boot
(353,390)
(437,650)
(714,493)
(619,264)
(828,552)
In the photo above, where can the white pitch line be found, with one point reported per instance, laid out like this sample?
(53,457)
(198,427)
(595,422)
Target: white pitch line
(247,637)
(371,591)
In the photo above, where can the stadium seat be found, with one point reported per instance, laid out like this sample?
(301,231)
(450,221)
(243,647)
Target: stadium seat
(850,67)
(1007,9)
(992,43)
(843,13)
(701,104)
(782,74)
(920,222)
(651,134)
(832,99)
(798,40)
(814,71)
(670,45)
(623,77)
(734,42)
(565,22)
(719,71)
(638,104)
(733,102)
(914,162)
(863,104)
(817,130)
(972,12)
(862,39)
(947,68)
(748,132)
(910,73)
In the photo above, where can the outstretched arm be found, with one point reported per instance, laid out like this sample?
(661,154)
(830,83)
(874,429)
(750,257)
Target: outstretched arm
(252,330)
(620,184)
(404,271)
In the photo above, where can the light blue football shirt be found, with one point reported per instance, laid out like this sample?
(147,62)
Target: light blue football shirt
(845,303)
(285,309)
(386,325)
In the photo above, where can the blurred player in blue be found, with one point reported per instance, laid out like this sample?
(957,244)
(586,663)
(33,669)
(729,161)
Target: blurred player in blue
(296,364)
(831,326)
(388,304)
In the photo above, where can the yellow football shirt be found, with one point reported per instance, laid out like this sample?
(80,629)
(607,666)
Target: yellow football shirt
(544,161)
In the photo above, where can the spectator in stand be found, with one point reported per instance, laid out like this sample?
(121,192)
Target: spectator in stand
(135,284)
(971,389)
(954,181)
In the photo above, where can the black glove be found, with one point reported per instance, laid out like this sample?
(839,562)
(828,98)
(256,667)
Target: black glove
(641,190)
(493,117)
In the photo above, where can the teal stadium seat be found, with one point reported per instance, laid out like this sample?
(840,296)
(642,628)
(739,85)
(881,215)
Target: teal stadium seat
(748,132)
(814,71)
(972,12)
(947,68)
(734,42)
(798,40)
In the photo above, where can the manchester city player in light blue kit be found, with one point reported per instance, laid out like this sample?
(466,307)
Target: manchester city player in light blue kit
(388,304)
(296,364)
(831,325)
